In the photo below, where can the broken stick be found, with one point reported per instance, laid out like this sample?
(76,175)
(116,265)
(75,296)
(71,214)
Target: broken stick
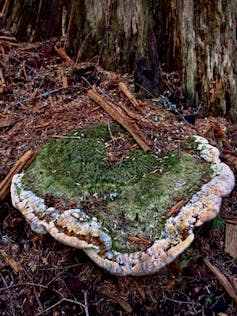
(223,280)
(130,96)
(122,119)
(62,53)
(20,165)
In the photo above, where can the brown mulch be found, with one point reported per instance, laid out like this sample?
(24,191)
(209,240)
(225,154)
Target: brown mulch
(39,276)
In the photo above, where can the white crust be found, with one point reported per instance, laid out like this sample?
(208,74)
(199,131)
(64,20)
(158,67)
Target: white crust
(75,228)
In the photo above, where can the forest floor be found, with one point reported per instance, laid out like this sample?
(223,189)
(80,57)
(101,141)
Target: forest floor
(44,97)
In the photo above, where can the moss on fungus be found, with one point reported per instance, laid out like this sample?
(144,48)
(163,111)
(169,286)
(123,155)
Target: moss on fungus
(135,193)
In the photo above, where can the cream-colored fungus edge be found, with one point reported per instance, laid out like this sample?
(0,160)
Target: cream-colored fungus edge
(75,228)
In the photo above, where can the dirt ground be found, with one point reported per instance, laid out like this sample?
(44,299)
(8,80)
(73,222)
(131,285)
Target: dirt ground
(43,97)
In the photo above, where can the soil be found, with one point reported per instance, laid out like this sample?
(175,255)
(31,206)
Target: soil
(42,99)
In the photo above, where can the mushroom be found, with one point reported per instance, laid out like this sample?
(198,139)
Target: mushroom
(75,228)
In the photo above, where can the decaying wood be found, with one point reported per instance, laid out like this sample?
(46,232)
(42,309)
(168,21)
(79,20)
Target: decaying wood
(122,86)
(122,119)
(2,82)
(62,53)
(230,239)
(223,280)
(175,209)
(20,165)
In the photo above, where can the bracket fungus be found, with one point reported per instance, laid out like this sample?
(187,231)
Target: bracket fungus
(112,203)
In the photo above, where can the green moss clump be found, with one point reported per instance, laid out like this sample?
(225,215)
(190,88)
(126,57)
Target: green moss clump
(136,192)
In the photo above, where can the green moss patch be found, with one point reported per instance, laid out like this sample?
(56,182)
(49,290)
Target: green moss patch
(130,196)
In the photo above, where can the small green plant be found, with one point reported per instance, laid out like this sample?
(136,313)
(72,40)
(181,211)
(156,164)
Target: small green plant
(217,223)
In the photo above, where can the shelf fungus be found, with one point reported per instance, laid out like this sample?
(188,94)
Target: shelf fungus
(115,208)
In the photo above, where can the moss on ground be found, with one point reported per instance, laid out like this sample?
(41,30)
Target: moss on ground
(136,192)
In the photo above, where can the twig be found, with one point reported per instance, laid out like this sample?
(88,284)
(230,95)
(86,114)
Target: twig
(81,48)
(69,23)
(58,303)
(34,289)
(8,38)
(20,165)
(20,62)
(86,303)
(122,86)
(83,78)
(62,53)
(4,8)
(10,296)
(66,137)
(143,88)
(64,15)
(122,119)
(37,19)
(223,280)
(125,305)
(15,105)
(176,208)
(180,302)
(22,284)
(110,132)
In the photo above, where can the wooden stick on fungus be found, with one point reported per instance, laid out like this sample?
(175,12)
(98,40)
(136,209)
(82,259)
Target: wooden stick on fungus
(21,164)
(122,119)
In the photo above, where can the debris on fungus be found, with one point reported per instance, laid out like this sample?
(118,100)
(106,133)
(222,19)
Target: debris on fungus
(118,202)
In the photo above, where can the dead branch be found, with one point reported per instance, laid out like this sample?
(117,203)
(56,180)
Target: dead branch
(122,86)
(223,280)
(122,119)
(20,165)
(62,53)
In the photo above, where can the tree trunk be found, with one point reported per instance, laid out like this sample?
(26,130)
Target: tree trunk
(197,38)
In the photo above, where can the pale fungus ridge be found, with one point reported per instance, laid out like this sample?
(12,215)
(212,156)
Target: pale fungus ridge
(77,229)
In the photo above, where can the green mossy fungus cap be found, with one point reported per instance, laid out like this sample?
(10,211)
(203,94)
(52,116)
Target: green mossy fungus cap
(119,202)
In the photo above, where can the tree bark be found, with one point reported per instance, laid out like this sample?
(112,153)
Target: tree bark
(197,38)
